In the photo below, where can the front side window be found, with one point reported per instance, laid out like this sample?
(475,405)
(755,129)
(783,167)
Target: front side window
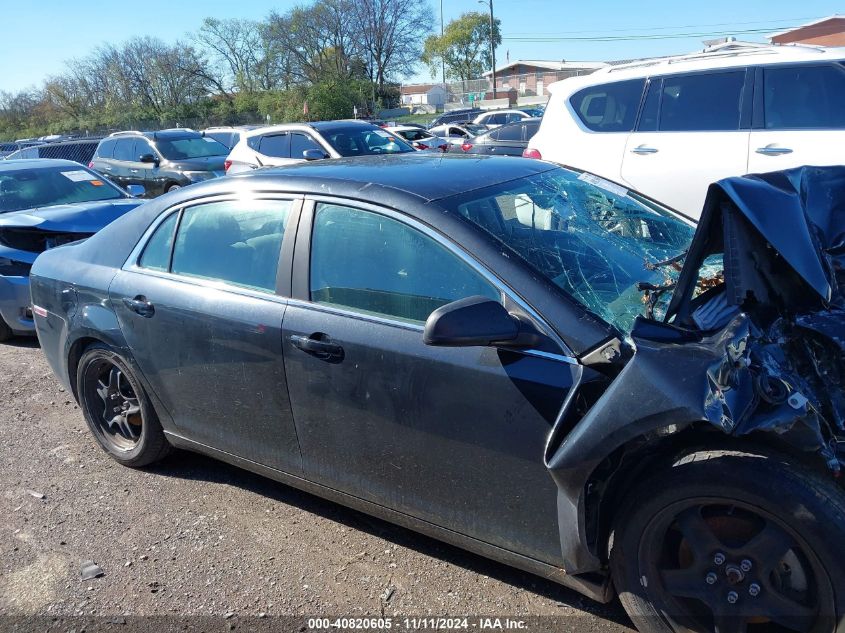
(301,143)
(237,242)
(804,97)
(705,102)
(276,145)
(609,107)
(377,265)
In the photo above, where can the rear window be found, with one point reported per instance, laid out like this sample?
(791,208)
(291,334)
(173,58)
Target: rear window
(511,132)
(364,140)
(609,107)
(804,97)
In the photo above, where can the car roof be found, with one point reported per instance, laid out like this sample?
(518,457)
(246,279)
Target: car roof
(731,55)
(405,128)
(319,126)
(36,163)
(435,176)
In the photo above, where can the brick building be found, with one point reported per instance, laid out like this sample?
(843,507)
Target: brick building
(828,31)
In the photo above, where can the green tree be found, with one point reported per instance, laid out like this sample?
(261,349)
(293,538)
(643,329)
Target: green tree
(464,47)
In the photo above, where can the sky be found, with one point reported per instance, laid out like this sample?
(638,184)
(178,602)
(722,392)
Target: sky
(39,36)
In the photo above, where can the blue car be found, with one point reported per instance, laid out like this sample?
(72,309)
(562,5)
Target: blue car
(43,204)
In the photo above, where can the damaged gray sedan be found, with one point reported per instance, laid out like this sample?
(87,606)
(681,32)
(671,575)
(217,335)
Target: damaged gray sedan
(527,361)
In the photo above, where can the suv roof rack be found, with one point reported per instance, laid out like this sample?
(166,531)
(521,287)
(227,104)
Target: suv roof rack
(126,133)
(721,50)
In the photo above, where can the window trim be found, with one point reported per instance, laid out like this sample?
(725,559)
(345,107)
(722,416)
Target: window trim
(283,280)
(301,272)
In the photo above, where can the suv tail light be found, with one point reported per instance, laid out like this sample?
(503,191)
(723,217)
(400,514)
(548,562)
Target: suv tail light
(226,165)
(90,164)
(530,152)
(444,147)
(466,147)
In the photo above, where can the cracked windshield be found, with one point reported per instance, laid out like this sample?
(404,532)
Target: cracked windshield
(616,254)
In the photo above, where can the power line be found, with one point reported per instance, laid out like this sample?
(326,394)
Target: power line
(649,36)
(665,28)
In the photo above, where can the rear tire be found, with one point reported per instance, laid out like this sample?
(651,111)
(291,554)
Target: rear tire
(732,542)
(6,333)
(117,409)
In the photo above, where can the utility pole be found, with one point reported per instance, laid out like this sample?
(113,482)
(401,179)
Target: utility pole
(492,43)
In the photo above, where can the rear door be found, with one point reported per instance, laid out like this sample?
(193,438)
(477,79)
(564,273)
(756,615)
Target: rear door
(453,436)
(124,150)
(691,133)
(202,314)
(799,117)
(273,148)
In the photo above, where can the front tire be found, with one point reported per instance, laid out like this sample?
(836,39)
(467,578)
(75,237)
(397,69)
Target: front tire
(117,409)
(732,543)
(6,333)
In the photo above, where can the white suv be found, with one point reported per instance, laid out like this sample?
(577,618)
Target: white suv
(297,142)
(669,127)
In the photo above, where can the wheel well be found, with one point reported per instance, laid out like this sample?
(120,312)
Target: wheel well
(630,464)
(75,353)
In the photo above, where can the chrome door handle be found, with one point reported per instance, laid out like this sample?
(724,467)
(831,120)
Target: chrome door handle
(133,171)
(773,150)
(644,149)
(107,168)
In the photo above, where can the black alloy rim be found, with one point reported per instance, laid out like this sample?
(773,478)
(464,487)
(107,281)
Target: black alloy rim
(113,405)
(729,567)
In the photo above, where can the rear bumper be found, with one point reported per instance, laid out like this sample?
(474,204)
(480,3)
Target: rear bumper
(15,305)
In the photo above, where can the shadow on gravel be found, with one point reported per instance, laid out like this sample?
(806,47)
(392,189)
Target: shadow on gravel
(22,341)
(185,465)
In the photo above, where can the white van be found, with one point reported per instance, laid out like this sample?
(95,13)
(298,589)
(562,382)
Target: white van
(669,127)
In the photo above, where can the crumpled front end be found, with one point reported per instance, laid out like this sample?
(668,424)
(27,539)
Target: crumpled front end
(781,239)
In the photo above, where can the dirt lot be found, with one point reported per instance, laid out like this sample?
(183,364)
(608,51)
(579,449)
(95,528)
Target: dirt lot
(194,537)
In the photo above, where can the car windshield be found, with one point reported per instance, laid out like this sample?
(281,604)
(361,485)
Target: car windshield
(184,148)
(590,237)
(49,186)
(360,141)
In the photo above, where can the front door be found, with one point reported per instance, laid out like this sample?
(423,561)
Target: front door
(800,117)
(453,436)
(205,326)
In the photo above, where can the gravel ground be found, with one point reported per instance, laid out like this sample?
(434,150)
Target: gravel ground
(194,537)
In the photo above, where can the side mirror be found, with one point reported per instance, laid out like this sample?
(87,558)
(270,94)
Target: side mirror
(136,191)
(314,154)
(476,321)
(149,158)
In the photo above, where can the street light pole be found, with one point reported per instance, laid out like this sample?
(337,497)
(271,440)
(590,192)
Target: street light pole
(492,43)
(442,59)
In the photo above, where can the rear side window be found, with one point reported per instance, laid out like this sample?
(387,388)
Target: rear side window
(377,265)
(804,97)
(156,255)
(511,132)
(124,150)
(106,149)
(277,145)
(237,242)
(609,107)
(707,102)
